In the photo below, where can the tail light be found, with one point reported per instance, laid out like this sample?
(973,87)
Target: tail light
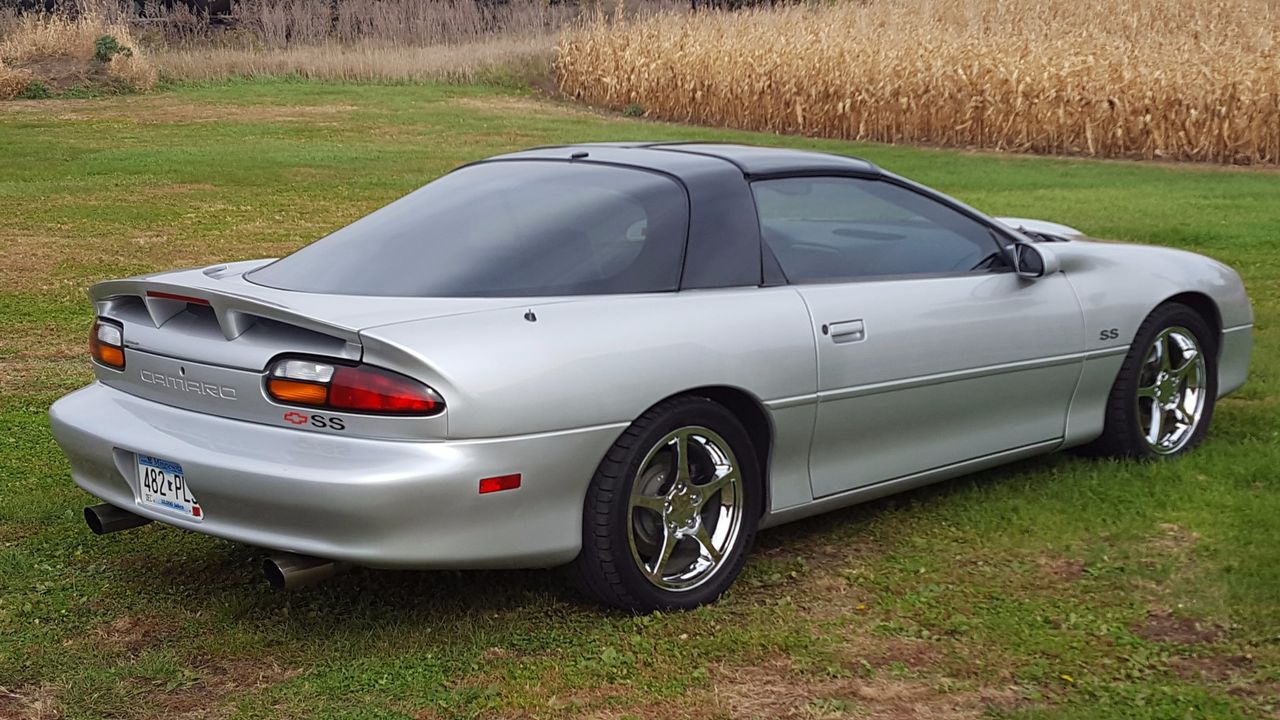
(360,388)
(106,344)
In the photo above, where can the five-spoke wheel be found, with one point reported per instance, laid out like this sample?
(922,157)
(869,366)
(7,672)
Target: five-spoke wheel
(686,508)
(1171,390)
(672,509)
(1162,400)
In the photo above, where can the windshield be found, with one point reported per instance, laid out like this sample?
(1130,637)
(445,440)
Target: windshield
(505,229)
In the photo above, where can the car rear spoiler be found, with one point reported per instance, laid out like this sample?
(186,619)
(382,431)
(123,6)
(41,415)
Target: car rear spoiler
(151,310)
(235,312)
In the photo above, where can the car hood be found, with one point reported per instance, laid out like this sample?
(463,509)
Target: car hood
(1041,227)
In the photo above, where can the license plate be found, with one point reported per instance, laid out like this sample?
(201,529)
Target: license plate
(162,484)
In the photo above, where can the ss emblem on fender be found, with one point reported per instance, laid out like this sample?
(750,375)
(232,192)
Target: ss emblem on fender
(1109,334)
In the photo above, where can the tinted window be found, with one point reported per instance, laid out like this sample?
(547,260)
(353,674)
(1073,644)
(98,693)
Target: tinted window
(505,229)
(836,228)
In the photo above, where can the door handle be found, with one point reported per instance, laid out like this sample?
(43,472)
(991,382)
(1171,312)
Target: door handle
(847,331)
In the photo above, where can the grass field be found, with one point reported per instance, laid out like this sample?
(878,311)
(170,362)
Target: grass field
(1058,588)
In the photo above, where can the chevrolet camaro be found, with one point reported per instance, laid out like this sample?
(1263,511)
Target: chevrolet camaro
(627,358)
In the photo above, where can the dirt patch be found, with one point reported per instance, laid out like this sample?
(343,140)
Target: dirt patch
(1263,693)
(828,596)
(1060,568)
(12,532)
(1174,539)
(219,680)
(157,110)
(181,188)
(524,105)
(1165,627)
(42,357)
(170,112)
(1214,668)
(39,703)
(774,690)
(29,376)
(28,259)
(313,174)
(608,701)
(135,634)
(58,263)
(823,579)
(884,652)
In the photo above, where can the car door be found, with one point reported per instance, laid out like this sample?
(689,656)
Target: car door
(930,350)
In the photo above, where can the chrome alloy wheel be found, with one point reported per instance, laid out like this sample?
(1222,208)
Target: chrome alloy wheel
(1171,390)
(685,510)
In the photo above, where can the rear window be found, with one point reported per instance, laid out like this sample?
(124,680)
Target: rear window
(505,229)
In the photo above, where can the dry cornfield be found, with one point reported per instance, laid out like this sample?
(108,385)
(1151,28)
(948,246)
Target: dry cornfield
(1175,79)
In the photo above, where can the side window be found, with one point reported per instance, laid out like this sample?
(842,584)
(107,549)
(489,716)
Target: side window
(832,228)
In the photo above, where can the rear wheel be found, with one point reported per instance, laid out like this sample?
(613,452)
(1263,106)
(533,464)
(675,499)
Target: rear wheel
(1162,401)
(672,509)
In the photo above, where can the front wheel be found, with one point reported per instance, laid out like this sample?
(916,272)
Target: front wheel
(672,509)
(1162,401)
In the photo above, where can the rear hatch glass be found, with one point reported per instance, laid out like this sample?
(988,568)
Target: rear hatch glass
(505,229)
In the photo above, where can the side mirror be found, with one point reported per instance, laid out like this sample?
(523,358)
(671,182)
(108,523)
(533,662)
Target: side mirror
(1032,261)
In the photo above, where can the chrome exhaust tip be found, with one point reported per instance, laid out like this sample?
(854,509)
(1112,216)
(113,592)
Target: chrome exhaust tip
(285,571)
(107,518)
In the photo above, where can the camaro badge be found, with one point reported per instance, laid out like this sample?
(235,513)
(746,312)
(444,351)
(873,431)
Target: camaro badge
(193,386)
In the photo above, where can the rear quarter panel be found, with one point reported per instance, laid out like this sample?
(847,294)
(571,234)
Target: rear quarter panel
(601,360)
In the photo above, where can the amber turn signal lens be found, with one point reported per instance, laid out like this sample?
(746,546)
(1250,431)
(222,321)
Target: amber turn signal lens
(108,355)
(293,391)
(106,345)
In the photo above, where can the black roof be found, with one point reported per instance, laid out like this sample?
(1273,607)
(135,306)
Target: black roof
(674,157)
(757,160)
(723,247)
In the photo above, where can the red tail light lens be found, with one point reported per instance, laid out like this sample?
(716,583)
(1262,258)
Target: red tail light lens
(359,388)
(380,391)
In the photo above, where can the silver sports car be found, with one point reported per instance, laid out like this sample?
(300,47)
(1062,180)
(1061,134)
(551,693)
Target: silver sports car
(628,358)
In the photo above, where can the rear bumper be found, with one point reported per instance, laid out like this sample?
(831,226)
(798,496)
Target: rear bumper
(378,503)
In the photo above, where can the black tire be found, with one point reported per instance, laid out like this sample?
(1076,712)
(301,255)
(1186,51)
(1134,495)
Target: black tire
(1122,435)
(606,567)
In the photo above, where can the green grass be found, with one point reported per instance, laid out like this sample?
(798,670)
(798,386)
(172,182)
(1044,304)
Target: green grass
(1057,588)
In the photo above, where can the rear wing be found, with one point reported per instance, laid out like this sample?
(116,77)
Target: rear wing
(217,315)
(193,314)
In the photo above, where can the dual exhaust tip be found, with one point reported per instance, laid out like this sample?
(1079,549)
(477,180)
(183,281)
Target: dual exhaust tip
(105,518)
(283,571)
